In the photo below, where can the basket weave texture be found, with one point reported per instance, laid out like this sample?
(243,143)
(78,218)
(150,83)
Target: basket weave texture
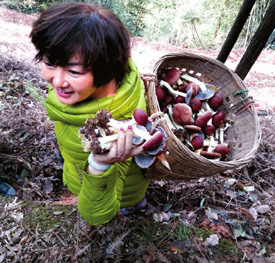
(244,135)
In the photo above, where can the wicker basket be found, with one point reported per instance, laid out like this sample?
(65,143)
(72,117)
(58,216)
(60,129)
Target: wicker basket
(244,135)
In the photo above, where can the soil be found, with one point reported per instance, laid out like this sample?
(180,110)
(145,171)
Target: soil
(182,222)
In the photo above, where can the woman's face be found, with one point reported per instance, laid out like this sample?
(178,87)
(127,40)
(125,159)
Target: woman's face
(71,83)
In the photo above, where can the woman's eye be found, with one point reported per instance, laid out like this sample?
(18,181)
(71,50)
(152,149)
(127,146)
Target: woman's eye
(48,64)
(75,73)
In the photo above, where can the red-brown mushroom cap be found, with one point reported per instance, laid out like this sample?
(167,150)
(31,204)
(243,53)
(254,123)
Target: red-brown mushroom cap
(171,75)
(210,155)
(216,100)
(203,119)
(140,116)
(209,130)
(191,127)
(222,149)
(154,142)
(218,118)
(182,114)
(197,142)
(195,104)
(161,94)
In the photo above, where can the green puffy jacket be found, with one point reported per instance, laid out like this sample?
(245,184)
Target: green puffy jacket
(99,196)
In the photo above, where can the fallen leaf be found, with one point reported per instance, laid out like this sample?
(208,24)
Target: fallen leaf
(212,240)
(238,231)
(232,194)
(57,213)
(246,212)
(253,212)
(211,214)
(262,208)
(249,188)
(231,181)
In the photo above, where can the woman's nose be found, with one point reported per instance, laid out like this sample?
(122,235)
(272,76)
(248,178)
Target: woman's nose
(59,78)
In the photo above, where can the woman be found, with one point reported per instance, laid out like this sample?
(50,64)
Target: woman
(85,55)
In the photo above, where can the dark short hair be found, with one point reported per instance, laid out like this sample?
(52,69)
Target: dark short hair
(92,32)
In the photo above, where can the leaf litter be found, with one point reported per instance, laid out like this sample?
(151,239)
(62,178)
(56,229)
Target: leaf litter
(226,218)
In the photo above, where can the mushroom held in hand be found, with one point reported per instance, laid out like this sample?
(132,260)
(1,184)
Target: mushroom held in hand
(140,116)
(100,132)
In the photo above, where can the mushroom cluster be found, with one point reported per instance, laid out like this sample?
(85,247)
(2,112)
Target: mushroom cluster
(99,133)
(192,110)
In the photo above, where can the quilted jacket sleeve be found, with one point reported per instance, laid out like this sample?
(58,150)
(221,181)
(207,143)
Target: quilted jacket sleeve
(100,195)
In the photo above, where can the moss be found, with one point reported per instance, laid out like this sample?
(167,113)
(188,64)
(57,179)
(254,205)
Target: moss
(225,247)
(44,216)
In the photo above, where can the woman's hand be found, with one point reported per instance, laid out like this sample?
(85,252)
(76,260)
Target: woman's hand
(120,150)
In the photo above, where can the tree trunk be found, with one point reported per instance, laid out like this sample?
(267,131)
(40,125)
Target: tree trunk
(236,29)
(258,42)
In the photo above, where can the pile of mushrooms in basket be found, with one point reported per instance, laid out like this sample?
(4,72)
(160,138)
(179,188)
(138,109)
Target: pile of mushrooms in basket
(191,108)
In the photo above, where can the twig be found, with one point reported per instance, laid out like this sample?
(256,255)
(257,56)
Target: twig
(60,240)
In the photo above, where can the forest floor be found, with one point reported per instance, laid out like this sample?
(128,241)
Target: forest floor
(226,218)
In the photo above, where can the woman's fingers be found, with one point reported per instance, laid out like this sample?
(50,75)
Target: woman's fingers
(128,141)
(120,143)
(121,149)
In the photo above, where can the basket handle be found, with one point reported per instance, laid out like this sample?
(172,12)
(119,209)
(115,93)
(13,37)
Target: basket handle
(147,78)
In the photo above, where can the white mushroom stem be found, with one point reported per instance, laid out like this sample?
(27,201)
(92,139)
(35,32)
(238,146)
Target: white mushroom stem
(117,125)
(179,82)
(217,134)
(107,139)
(169,122)
(226,126)
(221,135)
(194,80)
(210,142)
(174,93)
(221,132)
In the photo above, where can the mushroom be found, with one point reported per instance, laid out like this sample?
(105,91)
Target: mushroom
(222,149)
(218,118)
(202,120)
(174,93)
(195,104)
(171,75)
(209,129)
(161,94)
(216,100)
(210,155)
(205,91)
(197,142)
(140,116)
(182,114)
(194,86)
